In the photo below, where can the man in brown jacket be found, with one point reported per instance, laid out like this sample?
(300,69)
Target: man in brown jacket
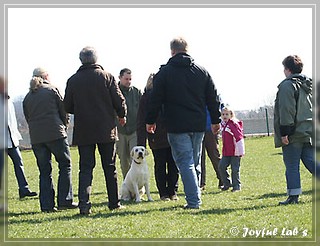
(95,99)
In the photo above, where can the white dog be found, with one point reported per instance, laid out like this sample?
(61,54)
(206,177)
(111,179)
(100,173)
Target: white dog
(136,182)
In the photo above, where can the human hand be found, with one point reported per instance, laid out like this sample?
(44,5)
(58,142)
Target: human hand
(215,128)
(151,128)
(122,121)
(285,140)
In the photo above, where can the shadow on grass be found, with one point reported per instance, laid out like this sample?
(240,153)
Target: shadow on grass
(116,213)
(273,195)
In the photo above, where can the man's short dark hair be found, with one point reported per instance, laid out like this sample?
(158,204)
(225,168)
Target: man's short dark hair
(293,63)
(125,70)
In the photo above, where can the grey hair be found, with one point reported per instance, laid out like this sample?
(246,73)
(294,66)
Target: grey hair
(88,55)
(35,83)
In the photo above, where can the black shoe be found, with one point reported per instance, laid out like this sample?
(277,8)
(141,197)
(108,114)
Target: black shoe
(27,193)
(68,206)
(290,200)
(220,184)
(235,190)
(85,211)
(189,207)
(50,210)
(223,188)
(120,207)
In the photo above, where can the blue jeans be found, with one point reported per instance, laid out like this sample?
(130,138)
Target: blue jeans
(43,151)
(87,163)
(16,158)
(234,161)
(292,154)
(186,152)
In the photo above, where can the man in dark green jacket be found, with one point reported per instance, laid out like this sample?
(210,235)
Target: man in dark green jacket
(128,132)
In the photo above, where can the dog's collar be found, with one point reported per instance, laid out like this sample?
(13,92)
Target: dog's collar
(137,162)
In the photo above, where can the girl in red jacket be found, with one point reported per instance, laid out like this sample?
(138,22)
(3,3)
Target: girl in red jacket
(232,149)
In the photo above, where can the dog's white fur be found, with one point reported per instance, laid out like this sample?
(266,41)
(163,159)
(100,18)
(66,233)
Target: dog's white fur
(136,182)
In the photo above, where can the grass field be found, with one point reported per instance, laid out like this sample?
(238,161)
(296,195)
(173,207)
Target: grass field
(246,216)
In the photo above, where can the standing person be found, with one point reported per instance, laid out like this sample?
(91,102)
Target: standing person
(14,152)
(165,170)
(184,89)
(95,99)
(2,138)
(128,132)
(293,125)
(210,145)
(232,149)
(44,112)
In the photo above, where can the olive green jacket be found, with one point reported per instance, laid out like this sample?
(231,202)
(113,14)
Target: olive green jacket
(293,110)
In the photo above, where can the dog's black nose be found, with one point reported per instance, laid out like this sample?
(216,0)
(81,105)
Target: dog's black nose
(140,154)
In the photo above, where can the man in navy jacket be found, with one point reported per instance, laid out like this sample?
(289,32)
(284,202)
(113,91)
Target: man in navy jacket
(184,89)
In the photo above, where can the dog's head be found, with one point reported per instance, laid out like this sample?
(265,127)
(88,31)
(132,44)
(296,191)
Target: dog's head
(138,153)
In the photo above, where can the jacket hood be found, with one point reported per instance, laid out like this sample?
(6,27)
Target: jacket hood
(181,60)
(301,80)
(304,82)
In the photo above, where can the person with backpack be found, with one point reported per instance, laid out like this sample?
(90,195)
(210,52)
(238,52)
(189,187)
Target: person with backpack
(232,149)
(293,125)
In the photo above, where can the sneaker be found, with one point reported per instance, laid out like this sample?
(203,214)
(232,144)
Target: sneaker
(68,206)
(174,198)
(165,198)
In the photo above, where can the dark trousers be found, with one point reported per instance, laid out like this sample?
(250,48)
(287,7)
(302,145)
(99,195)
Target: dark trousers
(210,144)
(17,161)
(107,153)
(165,172)
(43,151)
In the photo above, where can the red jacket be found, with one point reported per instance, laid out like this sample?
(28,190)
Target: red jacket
(232,138)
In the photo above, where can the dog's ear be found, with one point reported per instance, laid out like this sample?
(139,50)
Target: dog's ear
(132,152)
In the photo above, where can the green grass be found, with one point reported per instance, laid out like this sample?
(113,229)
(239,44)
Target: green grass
(255,207)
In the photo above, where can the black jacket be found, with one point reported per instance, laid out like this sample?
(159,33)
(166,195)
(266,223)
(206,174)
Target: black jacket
(159,139)
(184,89)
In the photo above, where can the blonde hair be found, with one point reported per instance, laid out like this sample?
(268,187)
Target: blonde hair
(230,110)
(149,84)
(35,83)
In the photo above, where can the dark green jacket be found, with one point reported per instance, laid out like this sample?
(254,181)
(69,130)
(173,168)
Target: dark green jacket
(132,96)
(293,110)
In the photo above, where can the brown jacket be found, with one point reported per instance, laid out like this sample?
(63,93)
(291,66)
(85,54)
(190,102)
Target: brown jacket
(94,97)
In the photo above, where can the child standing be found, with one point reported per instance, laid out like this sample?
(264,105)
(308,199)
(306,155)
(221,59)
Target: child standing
(232,149)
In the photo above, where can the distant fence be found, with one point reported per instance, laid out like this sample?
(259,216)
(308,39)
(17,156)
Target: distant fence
(250,127)
(258,126)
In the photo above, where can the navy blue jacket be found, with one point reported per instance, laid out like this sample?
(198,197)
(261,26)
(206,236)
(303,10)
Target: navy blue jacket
(184,89)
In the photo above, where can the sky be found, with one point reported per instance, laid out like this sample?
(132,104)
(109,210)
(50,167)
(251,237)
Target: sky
(242,48)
